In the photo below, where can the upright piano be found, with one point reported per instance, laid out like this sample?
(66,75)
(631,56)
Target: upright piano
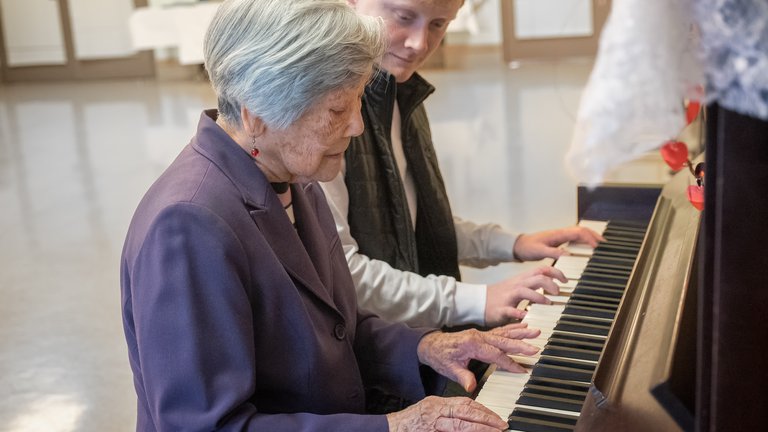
(665,326)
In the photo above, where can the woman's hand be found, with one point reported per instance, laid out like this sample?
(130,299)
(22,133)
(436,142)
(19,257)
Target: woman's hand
(450,353)
(445,414)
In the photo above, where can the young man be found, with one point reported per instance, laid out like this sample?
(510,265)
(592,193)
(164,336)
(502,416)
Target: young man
(402,243)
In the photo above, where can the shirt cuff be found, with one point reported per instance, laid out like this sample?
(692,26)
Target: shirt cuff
(469,304)
(501,245)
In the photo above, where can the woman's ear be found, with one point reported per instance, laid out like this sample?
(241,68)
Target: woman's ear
(253,125)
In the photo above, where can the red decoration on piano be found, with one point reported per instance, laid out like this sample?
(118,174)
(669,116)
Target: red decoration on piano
(675,154)
(696,196)
(692,110)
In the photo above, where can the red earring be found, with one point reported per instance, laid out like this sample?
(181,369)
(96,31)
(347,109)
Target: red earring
(254,150)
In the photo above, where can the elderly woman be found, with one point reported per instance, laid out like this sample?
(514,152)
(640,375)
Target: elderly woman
(238,306)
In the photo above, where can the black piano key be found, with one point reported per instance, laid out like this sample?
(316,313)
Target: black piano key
(569,326)
(602,299)
(622,239)
(634,226)
(585,339)
(586,300)
(608,270)
(561,385)
(590,282)
(528,425)
(608,251)
(562,372)
(537,421)
(625,232)
(553,389)
(583,365)
(570,352)
(606,277)
(585,311)
(564,344)
(552,402)
(618,241)
(583,288)
(607,263)
(597,274)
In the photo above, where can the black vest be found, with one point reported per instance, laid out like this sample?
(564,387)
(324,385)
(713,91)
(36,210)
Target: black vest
(379,219)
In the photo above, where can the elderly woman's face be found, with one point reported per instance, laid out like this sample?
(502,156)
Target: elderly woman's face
(312,148)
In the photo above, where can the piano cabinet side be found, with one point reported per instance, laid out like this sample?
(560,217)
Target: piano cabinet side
(639,351)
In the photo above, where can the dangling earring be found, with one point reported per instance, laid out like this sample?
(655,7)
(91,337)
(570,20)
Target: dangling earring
(254,150)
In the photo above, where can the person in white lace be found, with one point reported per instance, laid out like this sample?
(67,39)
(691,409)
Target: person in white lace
(401,289)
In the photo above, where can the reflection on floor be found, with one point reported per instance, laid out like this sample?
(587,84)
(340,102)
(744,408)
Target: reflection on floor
(75,159)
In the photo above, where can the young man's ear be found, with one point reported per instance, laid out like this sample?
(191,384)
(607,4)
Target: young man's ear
(352,3)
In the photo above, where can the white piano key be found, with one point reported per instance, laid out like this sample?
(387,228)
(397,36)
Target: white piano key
(566,287)
(579,249)
(544,310)
(572,266)
(528,361)
(557,299)
(583,249)
(594,225)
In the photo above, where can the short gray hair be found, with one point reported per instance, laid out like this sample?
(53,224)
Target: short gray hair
(279,57)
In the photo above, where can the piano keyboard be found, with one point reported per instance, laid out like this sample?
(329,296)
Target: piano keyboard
(573,332)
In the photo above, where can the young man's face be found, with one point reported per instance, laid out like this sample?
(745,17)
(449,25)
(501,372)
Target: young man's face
(415,29)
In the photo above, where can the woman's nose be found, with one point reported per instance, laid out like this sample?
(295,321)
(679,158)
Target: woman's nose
(356,125)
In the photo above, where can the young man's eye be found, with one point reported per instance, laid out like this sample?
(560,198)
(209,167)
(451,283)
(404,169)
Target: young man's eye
(402,16)
(439,25)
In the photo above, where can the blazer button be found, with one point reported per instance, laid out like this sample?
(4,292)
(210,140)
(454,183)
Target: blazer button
(340,331)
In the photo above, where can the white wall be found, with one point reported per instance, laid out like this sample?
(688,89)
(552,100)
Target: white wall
(100,28)
(539,18)
(488,19)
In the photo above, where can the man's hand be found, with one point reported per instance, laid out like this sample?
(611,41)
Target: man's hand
(503,297)
(450,353)
(545,244)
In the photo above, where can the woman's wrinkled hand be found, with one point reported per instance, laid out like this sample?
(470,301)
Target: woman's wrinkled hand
(449,353)
(445,415)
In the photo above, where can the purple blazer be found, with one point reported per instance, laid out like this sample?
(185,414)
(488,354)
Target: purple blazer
(237,320)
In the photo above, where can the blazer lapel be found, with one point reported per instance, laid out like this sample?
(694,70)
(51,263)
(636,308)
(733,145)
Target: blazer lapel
(314,238)
(290,250)
(265,207)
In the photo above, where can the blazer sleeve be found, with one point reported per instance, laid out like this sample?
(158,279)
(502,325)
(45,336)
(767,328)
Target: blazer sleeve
(194,331)
(387,354)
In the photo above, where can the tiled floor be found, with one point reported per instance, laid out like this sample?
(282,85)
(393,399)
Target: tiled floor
(76,158)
